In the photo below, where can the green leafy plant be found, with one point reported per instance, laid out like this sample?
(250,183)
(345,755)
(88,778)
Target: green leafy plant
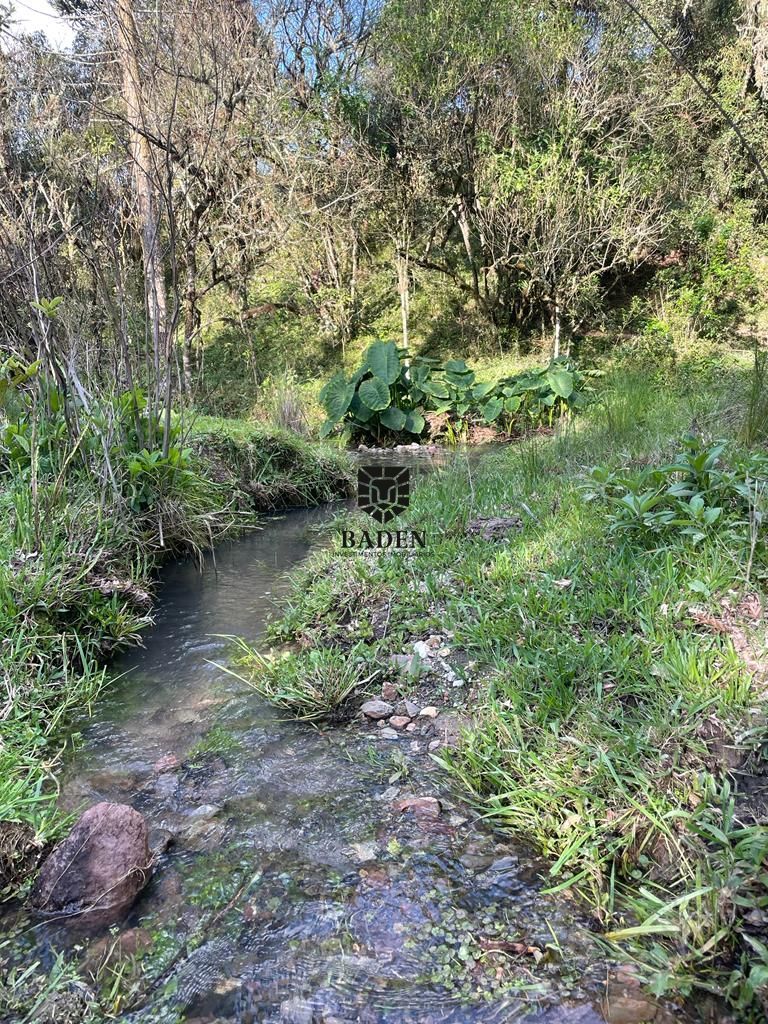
(152,474)
(692,495)
(389,395)
(381,398)
(539,396)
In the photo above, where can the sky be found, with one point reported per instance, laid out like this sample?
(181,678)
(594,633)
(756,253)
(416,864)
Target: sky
(39,16)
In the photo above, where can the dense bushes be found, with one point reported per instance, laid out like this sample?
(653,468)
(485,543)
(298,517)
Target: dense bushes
(392,395)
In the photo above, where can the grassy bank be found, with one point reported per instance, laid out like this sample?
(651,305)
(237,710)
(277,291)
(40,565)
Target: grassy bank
(76,562)
(613,651)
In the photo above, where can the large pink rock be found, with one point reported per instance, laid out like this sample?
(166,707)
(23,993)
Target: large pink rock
(100,867)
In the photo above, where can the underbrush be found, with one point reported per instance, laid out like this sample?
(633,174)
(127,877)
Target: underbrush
(614,658)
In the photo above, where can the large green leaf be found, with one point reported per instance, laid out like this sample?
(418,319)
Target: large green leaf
(435,388)
(525,382)
(414,422)
(418,373)
(336,396)
(482,390)
(359,410)
(327,428)
(492,409)
(457,366)
(393,418)
(560,380)
(383,361)
(374,393)
(460,380)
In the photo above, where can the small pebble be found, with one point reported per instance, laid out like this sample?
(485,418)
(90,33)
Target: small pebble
(388,734)
(429,712)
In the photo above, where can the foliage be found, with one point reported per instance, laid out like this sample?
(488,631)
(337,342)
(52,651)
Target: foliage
(312,684)
(692,496)
(390,394)
(380,398)
(755,427)
(539,396)
(718,286)
(282,403)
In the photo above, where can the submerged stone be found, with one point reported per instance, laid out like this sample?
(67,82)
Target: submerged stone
(420,806)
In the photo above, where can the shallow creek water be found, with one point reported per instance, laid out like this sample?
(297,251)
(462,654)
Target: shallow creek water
(293,892)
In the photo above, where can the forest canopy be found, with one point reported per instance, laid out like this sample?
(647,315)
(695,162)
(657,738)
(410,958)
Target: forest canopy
(282,178)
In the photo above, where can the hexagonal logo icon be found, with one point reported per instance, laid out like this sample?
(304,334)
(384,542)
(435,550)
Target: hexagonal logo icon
(383,491)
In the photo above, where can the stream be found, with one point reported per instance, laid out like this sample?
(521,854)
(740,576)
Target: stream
(292,892)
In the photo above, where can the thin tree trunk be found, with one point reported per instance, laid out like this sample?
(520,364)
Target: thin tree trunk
(190,314)
(353,291)
(141,156)
(466,235)
(557,321)
(403,285)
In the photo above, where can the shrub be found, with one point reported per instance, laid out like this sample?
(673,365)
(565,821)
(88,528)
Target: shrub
(691,496)
(389,395)
(535,397)
(381,397)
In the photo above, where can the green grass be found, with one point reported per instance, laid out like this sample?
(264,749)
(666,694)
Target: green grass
(311,686)
(601,704)
(269,468)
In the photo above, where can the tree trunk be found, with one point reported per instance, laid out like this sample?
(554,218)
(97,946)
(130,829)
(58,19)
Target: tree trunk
(190,314)
(403,281)
(466,235)
(141,156)
(405,299)
(754,28)
(557,324)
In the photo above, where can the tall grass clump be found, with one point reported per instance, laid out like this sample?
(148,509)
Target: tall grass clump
(283,403)
(311,684)
(755,427)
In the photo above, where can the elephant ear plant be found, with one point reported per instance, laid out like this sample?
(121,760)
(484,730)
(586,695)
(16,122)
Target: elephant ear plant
(538,396)
(387,396)
(381,398)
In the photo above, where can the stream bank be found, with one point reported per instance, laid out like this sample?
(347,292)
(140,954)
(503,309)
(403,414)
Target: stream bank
(313,875)
(608,668)
(77,588)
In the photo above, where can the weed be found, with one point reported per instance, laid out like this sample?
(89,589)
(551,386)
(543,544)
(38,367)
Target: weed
(311,683)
